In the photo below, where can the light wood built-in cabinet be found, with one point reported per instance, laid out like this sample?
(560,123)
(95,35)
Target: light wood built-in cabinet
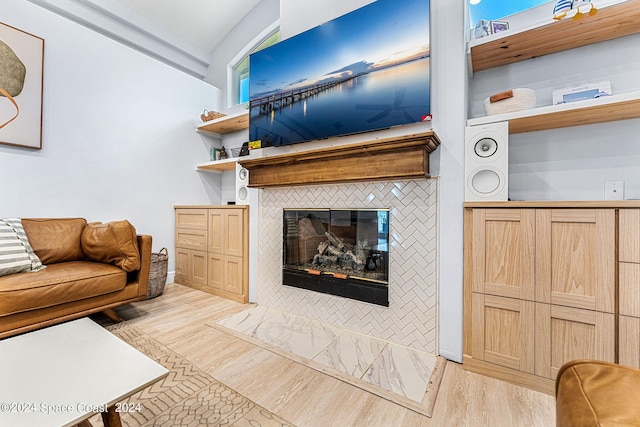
(212,249)
(549,282)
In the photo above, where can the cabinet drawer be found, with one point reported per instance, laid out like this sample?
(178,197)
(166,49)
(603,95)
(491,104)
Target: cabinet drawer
(195,219)
(191,239)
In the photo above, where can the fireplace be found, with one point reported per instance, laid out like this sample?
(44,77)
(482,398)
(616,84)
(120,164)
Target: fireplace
(343,252)
(357,175)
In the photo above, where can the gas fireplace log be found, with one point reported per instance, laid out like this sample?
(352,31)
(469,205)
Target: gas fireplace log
(336,241)
(335,251)
(323,247)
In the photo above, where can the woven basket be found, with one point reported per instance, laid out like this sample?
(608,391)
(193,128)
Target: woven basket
(522,99)
(210,115)
(158,273)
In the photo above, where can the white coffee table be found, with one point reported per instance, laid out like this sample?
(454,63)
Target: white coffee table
(64,374)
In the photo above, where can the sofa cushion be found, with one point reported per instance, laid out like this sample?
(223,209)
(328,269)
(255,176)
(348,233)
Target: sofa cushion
(55,239)
(16,254)
(113,243)
(58,283)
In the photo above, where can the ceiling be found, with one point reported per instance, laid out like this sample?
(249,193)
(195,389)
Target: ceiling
(203,23)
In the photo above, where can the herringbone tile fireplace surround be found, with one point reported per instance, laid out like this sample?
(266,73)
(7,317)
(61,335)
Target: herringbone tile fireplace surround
(412,316)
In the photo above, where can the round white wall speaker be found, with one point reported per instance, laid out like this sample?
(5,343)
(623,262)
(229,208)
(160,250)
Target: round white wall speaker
(242,183)
(485,182)
(243,174)
(486,162)
(242,194)
(486,147)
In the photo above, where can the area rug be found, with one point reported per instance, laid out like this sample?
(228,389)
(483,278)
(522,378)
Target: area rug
(188,396)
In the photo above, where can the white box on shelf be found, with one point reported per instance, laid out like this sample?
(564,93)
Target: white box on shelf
(581,92)
(255,153)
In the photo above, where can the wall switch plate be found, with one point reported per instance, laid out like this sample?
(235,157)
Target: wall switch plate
(614,190)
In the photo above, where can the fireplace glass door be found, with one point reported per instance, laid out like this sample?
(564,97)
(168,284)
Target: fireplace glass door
(344,252)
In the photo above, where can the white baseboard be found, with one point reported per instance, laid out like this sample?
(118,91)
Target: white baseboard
(171,275)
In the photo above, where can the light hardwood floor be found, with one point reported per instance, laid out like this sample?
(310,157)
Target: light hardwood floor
(303,396)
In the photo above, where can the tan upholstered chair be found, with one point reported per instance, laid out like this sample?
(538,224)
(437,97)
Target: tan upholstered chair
(595,393)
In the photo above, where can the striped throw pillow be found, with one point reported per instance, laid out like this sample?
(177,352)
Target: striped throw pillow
(16,254)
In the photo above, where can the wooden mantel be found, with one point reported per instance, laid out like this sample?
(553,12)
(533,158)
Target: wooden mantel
(400,157)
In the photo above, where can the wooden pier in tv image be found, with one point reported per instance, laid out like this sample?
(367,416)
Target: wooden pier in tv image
(273,102)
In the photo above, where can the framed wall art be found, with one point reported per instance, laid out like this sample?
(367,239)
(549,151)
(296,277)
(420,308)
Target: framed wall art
(499,26)
(21,87)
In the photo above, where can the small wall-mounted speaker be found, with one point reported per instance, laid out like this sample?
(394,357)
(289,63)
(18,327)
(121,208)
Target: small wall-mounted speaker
(242,182)
(486,162)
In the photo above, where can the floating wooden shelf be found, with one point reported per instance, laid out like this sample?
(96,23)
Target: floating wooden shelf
(608,23)
(605,109)
(403,157)
(218,165)
(226,124)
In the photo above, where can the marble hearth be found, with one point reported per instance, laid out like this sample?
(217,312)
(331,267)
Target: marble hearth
(412,315)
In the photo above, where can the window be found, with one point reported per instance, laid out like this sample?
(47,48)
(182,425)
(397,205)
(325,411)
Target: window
(240,71)
(496,9)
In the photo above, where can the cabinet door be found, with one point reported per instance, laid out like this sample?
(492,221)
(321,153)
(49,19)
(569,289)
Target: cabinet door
(629,235)
(234,275)
(629,288)
(629,341)
(566,333)
(234,232)
(216,271)
(198,268)
(182,266)
(576,257)
(191,267)
(502,331)
(503,242)
(216,230)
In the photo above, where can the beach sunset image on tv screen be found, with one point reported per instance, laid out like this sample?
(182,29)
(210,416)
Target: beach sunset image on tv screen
(366,70)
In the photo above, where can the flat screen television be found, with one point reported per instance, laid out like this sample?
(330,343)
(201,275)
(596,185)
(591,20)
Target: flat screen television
(366,70)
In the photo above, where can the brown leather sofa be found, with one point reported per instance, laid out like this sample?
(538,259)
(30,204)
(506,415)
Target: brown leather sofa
(595,393)
(89,268)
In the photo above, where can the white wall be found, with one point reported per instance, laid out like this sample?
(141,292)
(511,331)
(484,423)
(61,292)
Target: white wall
(448,102)
(571,163)
(119,138)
